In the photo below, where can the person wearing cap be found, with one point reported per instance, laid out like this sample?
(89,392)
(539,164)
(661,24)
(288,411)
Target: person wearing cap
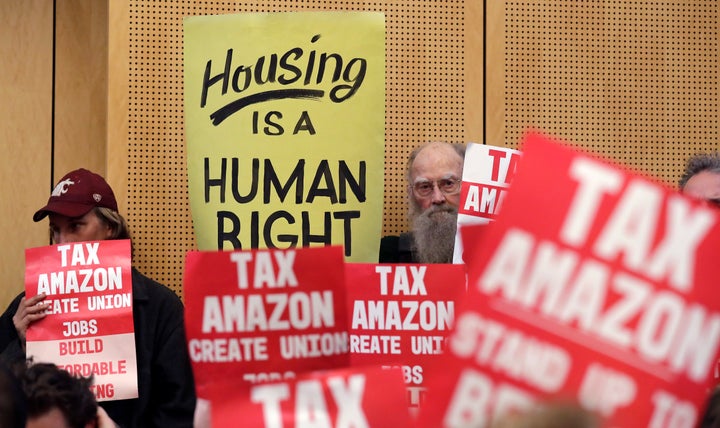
(82,207)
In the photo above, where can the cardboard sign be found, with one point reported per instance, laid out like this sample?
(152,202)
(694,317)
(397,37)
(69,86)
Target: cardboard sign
(400,316)
(89,328)
(357,397)
(285,130)
(595,286)
(487,173)
(264,314)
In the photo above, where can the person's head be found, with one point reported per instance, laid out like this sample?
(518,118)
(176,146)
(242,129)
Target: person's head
(12,399)
(701,178)
(82,207)
(55,398)
(434,173)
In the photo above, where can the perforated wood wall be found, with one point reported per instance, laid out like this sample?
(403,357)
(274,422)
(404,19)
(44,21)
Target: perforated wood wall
(425,100)
(635,81)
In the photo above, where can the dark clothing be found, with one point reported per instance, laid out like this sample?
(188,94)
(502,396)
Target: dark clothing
(398,249)
(165,382)
(711,417)
(11,351)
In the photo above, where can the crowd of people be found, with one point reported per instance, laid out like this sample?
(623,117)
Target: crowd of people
(82,207)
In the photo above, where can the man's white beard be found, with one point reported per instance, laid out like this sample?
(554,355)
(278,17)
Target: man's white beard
(434,233)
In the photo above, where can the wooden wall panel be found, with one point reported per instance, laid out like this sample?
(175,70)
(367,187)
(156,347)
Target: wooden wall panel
(634,81)
(81,60)
(54,109)
(117,101)
(474,95)
(25,132)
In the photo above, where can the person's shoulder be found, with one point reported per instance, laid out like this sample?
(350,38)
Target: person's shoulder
(14,304)
(396,248)
(406,241)
(389,241)
(388,249)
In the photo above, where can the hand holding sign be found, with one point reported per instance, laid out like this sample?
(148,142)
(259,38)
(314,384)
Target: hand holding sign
(88,324)
(30,310)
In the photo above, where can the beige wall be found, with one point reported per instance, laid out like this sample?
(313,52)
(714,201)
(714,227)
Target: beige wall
(81,86)
(33,144)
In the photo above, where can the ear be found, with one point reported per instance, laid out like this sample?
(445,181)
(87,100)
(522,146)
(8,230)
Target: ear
(109,231)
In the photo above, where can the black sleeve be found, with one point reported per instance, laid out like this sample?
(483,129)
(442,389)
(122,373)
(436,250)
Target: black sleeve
(389,249)
(172,373)
(11,351)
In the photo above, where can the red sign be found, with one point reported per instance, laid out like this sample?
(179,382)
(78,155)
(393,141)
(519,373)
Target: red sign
(89,327)
(265,314)
(400,316)
(594,285)
(487,174)
(358,397)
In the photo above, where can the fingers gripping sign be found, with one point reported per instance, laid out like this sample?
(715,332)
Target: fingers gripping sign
(30,310)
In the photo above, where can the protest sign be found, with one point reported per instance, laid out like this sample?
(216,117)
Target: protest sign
(356,397)
(262,315)
(595,286)
(487,173)
(89,328)
(400,315)
(285,130)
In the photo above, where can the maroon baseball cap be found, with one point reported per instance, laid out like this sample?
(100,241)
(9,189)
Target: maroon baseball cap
(76,194)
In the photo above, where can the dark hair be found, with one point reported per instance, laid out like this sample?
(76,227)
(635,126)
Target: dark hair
(698,163)
(711,417)
(12,399)
(46,387)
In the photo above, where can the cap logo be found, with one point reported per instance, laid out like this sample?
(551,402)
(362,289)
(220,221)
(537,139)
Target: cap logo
(97,197)
(62,187)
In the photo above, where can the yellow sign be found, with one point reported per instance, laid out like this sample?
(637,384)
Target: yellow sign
(285,130)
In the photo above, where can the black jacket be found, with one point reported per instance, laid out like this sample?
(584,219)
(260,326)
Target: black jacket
(397,249)
(166,388)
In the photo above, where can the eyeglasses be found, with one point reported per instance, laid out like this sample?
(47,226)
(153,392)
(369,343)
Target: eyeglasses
(448,186)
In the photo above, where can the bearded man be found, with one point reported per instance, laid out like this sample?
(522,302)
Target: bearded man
(434,174)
